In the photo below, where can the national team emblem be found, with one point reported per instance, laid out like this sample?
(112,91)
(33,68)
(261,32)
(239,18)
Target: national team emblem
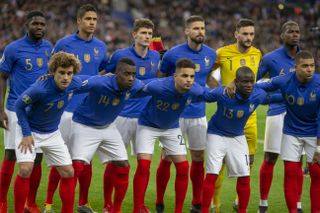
(292,69)
(252,61)
(300,101)
(206,61)
(240,113)
(26,99)
(60,104)
(197,67)
(115,102)
(152,64)
(142,71)
(86,57)
(127,96)
(39,62)
(313,96)
(96,52)
(281,72)
(242,62)
(175,106)
(70,96)
(188,101)
(251,108)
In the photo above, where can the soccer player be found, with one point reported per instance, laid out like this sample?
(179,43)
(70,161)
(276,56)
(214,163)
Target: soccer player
(94,129)
(229,59)
(301,92)
(226,140)
(39,110)
(92,53)
(276,63)
(146,62)
(23,61)
(193,121)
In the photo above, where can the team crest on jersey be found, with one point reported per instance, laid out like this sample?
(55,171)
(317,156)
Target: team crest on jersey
(115,102)
(127,96)
(313,96)
(197,67)
(87,57)
(206,61)
(26,99)
(281,72)
(292,69)
(240,113)
(39,62)
(175,106)
(242,62)
(96,52)
(252,62)
(300,101)
(60,104)
(70,96)
(142,71)
(251,108)
(188,101)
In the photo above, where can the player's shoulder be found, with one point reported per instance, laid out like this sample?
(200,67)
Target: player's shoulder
(122,52)
(66,39)
(99,42)
(14,45)
(206,48)
(255,51)
(227,50)
(154,54)
(46,43)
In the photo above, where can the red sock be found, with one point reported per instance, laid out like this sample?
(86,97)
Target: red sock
(6,173)
(243,191)
(108,184)
(181,184)
(300,181)
(84,184)
(162,179)
(54,178)
(121,186)
(208,188)
(21,190)
(35,179)
(67,188)
(78,167)
(266,174)
(197,176)
(290,185)
(140,183)
(314,170)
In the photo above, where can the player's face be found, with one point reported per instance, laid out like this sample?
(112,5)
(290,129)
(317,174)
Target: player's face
(245,36)
(305,69)
(245,84)
(196,32)
(143,36)
(291,36)
(126,76)
(36,27)
(88,22)
(184,78)
(63,77)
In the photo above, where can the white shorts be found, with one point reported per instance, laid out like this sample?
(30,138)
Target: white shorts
(292,147)
(52,145)
(65,126)
(86,140)
(171,140)
(273,133)
(194,131)
(127,128)
(235,152)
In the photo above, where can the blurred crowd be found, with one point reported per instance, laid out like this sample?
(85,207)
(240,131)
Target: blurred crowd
(116,18)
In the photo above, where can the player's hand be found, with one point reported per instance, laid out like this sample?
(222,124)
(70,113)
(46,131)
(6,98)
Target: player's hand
(44,77)
(3,119)
(26,144)
(316,158)
(230,89)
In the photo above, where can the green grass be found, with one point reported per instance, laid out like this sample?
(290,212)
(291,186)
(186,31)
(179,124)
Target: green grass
(276,197)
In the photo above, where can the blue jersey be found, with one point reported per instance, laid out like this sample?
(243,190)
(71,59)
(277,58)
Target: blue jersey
(92,54)
(232,113)
(146,68)
(166,104)
(276,63)
(104,101)
(302,103)
(40,107)
(204,60)
(24,61)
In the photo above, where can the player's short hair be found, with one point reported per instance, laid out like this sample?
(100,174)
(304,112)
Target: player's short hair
(34,13)
(288,24)
(185,63)
(142,22)
(125,61)
(244,22)
(303,55)
(192,19)
(85,8)
(244,70)
(63,59)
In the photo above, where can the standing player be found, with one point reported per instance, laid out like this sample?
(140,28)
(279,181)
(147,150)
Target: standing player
(146,62)
(301,92)
(92,54)
(39,110)
(23,61)
(193,121)
(229,59)
(276,63)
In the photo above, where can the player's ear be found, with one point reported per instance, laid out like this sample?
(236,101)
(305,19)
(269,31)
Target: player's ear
(78,20)
(236,34)
(134,34)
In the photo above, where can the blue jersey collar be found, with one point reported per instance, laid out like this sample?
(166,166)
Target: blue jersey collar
(30,41)
(285,51)
(190,49)
(115,85)
(137,55)
(305,84)
(76,35)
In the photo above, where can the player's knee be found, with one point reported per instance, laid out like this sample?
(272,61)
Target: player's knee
(314,170)
(38,158)
(25,169)
(182,168)
(10,155)
(123,163)
(197,155)
(271,157)
(66,171)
